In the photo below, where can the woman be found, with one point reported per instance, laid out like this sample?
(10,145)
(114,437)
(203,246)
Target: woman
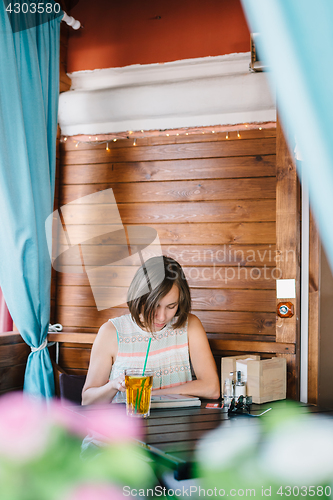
(159,305)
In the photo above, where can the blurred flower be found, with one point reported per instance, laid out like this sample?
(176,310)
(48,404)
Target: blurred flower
(95,492)
(287,446)
(24,428)
(40,451)
(113,428)
(222,446)
(299,451)
(73,422)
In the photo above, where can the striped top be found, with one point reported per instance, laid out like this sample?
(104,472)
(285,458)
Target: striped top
(168,354)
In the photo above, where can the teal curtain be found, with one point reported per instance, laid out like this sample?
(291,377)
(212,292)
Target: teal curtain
(296,43)
(29,88)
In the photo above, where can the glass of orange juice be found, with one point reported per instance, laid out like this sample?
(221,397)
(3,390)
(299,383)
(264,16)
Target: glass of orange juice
(138,392)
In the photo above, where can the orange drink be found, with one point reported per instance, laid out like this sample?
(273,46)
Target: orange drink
(138,392)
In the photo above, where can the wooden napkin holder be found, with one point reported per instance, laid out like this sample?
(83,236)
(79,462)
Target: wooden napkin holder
(267,380)
(228,364)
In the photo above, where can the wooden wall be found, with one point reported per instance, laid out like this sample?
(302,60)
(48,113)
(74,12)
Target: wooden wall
(288,217)
(64,86)
(212,201)
(14,353)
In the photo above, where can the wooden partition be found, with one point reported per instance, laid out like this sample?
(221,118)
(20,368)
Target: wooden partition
(13,358)
(288,217)
(212,201)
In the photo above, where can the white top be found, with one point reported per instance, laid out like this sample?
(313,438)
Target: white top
(168,355)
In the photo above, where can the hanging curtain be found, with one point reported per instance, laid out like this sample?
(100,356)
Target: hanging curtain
(296,43)
(29,87)
(6,322)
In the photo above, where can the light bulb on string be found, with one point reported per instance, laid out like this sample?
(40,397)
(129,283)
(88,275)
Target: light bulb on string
(260,128)
(77,144)
(65,139)
(238,135)
(134,142)
(107,147)
(115,139)
(227,135)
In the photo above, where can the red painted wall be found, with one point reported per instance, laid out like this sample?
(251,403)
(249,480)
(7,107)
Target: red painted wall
(123,32)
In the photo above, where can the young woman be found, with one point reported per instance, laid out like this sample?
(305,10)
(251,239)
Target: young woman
(159,305)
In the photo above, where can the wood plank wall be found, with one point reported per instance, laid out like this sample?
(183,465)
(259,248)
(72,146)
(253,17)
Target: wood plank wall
(13,357)
(212,203)
(64,86)
(314,311)
(288,218)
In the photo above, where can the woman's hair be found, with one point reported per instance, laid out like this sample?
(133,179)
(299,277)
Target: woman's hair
(152,281)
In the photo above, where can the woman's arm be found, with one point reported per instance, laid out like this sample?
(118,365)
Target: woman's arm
(98,388)
(207,384)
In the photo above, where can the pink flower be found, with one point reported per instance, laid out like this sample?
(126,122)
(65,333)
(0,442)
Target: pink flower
(75,423)
(24,427)
(95,492)
(107,423)
(112,425)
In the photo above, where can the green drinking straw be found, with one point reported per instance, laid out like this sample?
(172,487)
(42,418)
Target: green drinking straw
(143,382)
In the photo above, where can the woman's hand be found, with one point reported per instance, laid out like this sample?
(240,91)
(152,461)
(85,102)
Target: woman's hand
(119,383)
(207,383)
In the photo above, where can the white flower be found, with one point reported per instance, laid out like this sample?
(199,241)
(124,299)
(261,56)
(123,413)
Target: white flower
(221,446)
(300,451)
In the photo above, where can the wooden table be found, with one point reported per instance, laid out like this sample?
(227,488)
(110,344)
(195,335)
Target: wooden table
(171,435)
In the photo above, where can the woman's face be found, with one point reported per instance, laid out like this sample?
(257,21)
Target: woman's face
(166,308)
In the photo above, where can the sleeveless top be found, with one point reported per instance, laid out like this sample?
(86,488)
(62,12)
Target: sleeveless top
(168,354)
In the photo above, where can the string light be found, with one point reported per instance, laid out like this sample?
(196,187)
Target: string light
(96,140)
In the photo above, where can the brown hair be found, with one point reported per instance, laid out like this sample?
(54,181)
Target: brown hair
(152,281)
